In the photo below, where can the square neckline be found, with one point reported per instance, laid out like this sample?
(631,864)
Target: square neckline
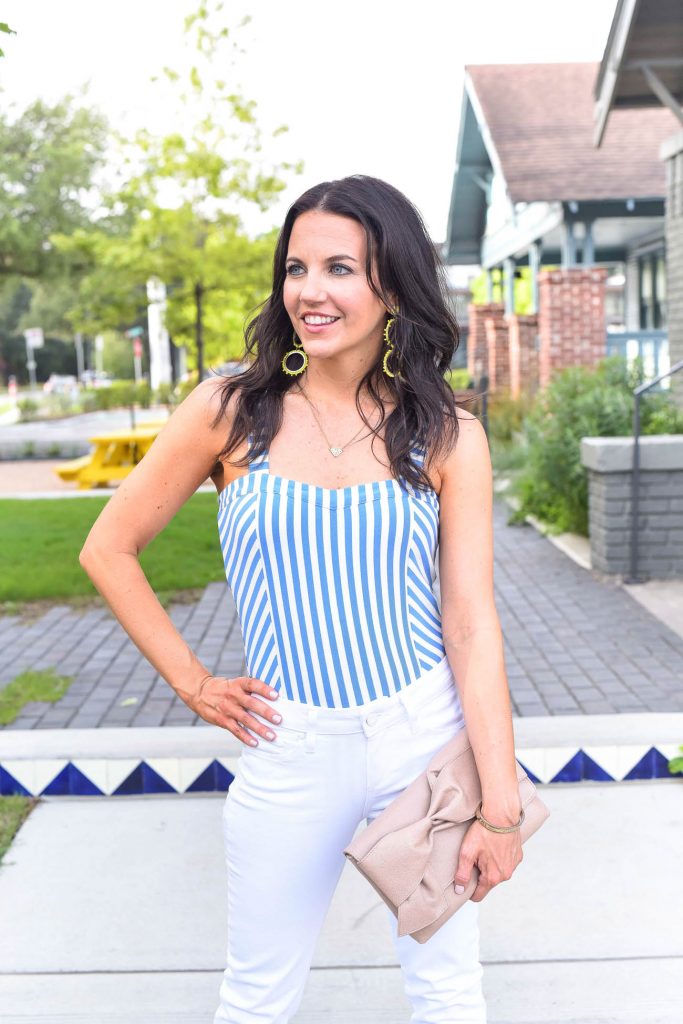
(331,495)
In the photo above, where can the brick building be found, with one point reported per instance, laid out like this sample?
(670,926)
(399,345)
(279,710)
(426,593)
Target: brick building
(531,189)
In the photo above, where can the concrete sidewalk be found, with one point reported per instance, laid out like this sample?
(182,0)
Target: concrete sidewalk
(114,912)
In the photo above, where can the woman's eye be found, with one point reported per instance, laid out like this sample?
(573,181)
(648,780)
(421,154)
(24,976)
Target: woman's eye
(292,268)
(340,266)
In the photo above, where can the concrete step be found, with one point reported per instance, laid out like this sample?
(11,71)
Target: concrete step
(554,750)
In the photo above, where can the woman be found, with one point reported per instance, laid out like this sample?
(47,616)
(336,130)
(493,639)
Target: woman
(350,463)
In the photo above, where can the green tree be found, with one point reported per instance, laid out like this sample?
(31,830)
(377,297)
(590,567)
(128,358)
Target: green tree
(183,198)
(48,158)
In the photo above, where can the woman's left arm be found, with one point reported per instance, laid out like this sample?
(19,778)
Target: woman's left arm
(473,640)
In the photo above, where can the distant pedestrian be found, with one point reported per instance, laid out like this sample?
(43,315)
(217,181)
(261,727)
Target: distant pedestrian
(332,565)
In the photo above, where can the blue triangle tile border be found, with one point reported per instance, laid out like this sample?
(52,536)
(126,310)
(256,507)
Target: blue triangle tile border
(70,780)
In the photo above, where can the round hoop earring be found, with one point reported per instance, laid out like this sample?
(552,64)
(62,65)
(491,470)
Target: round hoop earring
(298,350)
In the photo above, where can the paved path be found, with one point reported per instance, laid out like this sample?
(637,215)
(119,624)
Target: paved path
(573,644)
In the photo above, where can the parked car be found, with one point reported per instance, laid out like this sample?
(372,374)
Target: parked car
(60,384)
(96,379)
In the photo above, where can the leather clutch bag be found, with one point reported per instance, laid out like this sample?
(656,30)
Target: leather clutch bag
(410,852)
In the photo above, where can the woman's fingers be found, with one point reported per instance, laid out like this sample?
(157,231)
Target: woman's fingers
(231,702)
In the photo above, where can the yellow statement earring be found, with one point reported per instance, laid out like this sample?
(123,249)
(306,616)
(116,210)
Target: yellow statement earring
(390,349)
(298,350)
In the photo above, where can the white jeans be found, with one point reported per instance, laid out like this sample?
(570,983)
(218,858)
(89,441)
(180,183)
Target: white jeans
(293,806)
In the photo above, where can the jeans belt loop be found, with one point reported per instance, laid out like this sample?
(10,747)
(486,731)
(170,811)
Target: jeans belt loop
(410,712)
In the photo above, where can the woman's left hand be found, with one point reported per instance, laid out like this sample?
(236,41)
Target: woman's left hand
(496,855)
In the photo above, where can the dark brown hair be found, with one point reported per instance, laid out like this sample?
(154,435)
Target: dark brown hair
(425,334)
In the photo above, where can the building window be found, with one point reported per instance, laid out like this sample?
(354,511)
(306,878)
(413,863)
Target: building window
(652,291)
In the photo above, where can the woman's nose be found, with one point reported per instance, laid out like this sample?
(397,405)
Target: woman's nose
(312,288)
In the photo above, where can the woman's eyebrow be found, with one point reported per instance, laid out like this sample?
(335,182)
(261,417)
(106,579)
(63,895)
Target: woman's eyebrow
(330,259)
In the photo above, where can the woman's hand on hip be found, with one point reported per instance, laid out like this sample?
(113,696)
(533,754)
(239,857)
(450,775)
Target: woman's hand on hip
(496,855)
(230,703)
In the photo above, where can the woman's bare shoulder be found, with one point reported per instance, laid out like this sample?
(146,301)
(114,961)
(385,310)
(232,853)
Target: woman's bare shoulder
(471,444)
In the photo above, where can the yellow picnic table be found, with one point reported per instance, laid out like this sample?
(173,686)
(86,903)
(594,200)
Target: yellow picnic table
(115,454)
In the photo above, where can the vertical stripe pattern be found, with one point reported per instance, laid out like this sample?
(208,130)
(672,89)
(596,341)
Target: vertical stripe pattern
(333,587)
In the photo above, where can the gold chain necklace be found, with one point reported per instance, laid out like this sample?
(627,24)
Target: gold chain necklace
(334,449)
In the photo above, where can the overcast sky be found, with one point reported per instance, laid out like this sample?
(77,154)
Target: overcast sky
(366,86)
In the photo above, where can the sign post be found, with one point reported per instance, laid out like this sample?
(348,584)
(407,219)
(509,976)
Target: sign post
(34,339)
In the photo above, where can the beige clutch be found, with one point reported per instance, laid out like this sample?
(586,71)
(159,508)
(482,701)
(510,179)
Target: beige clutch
(409,853)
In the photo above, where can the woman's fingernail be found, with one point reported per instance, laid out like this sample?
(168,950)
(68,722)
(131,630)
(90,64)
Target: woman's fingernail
(460,889)
(273,693)
(277,718)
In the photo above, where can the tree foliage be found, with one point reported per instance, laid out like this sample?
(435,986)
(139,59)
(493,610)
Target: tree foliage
(48,158)
(182,203)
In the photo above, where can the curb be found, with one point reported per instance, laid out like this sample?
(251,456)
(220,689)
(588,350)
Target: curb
(197,759)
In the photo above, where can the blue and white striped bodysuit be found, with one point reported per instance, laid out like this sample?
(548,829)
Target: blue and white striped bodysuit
(333,587)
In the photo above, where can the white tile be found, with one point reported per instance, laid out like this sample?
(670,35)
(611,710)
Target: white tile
(24,772)
(95,769)
(607,757)
(119,769)
(168,768)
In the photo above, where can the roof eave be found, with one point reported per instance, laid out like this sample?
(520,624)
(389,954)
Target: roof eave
(610,67)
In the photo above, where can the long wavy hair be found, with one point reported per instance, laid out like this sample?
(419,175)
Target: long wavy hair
(424,335)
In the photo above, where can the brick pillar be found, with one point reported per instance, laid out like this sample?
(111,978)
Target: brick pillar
(672,152)
(523,354)
(477,345)
(571,319)
(498,349)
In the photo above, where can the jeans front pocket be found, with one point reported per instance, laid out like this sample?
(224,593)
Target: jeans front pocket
(286,745)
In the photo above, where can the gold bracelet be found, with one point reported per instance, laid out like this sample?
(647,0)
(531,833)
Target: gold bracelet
(497,828)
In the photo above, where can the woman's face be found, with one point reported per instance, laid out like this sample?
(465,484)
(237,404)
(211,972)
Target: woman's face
(326,293)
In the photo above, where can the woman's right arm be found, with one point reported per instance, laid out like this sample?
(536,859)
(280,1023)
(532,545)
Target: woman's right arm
(183,455)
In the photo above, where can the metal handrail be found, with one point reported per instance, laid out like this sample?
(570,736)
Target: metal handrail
(635,474)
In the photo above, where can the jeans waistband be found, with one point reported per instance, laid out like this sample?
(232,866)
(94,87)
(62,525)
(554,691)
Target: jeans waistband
(374,716)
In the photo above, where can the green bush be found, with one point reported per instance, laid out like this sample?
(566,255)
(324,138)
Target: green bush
(579,402)
(506,415)
(28,409)
(663,417)
(163,394)
(88,400)
(183,388)
(143,394)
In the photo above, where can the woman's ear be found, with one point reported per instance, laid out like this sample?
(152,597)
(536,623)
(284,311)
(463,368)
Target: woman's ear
(391,310)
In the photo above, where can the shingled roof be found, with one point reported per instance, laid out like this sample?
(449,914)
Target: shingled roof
(540,119)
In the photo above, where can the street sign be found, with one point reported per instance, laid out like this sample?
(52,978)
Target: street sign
(34,337)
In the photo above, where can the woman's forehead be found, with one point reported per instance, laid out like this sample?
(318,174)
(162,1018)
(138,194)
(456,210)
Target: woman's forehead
(330,233)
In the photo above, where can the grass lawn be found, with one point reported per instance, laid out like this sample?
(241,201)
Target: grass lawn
(13,812)
(28,686)
(41,540)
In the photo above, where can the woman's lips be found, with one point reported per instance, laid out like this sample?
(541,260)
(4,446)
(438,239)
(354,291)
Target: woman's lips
(319,328)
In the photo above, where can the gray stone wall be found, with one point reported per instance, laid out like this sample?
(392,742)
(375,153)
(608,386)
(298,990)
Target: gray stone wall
(608,461)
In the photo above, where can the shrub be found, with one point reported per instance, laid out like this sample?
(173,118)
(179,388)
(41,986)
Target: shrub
(506,415)
(28,408)
(143,394)
(163,394)
(183,388)
(578,402)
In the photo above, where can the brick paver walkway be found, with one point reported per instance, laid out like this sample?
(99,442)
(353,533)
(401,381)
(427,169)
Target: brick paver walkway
(573,644)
